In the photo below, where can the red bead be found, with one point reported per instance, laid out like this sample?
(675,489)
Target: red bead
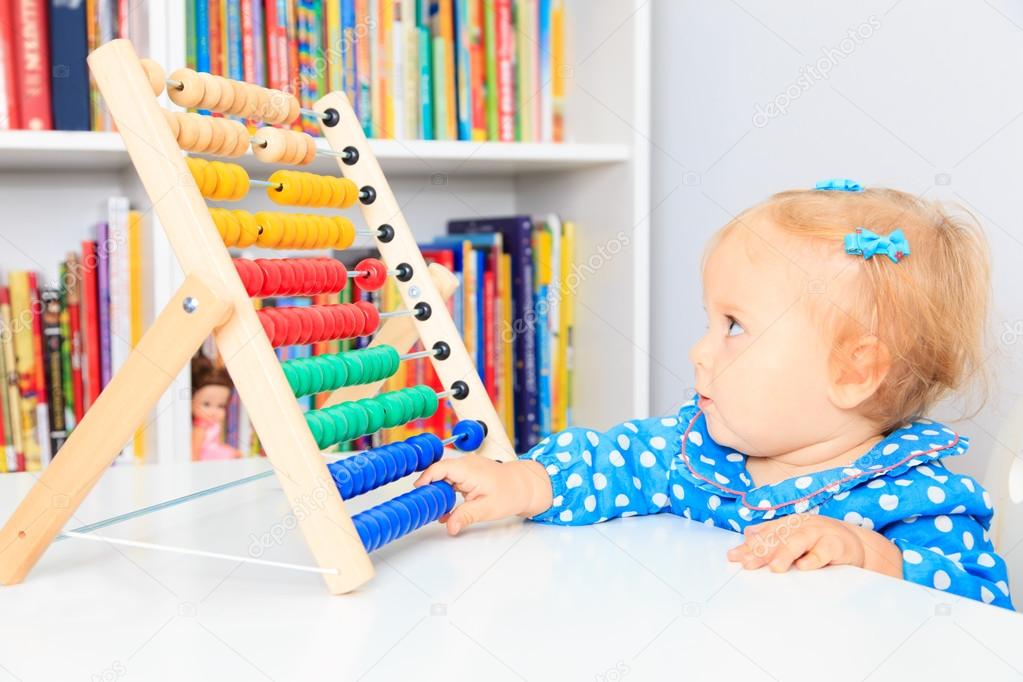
(245,275)
(271,277)
(288,277)
(256,278)
(370,315)
(319,324)
(268,325)
(292,331)
(347,320)
(377,274)
(279,323)
(318,271)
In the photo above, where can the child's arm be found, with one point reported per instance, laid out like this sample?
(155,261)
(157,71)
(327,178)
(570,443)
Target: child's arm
(575,477)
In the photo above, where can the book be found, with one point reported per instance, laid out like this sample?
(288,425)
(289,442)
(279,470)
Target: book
(69,78)
(54,383)
(10,400)
(22,326)
(93,367)
(32,64)
(9,118)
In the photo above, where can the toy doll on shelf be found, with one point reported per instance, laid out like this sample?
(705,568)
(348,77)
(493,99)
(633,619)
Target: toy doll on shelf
(211,391)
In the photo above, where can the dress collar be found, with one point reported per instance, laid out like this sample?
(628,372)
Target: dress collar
(722,471)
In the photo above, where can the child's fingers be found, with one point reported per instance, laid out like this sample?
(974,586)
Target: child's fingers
(790,550)
(827,549)
(454,471)
(466,514)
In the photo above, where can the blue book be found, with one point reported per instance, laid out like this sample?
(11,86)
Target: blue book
(235,69)
(425,84)
(349,70)
(463,66)
(517,241)
(69,75)
(202,36)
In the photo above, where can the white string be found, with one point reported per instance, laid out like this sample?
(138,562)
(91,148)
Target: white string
(198,552)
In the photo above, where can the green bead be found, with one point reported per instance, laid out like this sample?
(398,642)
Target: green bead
(392,360)
(393,409)
(358,420)
(340,370)
(302,376)
(341,427)
(291,376)
(417,402)
(375,413)
(315,375)
(326,367)
(313,420)
(430,398)
(354,366)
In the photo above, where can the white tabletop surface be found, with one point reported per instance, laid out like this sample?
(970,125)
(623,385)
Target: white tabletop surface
(633,599)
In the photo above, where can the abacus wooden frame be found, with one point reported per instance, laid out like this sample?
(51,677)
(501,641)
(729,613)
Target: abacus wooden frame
(249,357)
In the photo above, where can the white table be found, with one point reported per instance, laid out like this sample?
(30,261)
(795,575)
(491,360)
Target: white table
(633,599)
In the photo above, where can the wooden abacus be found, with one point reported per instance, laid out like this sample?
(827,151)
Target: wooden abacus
(215,297)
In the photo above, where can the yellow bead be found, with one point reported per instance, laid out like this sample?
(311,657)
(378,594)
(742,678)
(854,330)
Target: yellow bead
(301,231)
(333,233)
(290,230)
(306,187)
(241,186)
(351,192)
(288,193)
(272,229)
(225,181)
(232,229)
(347,236)
(218,221)
(250,229)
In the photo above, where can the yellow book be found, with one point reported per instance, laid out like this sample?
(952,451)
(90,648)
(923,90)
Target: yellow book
(566,324)
(507,386)
(558,74)
(10,384)
(25,364)
(135,307)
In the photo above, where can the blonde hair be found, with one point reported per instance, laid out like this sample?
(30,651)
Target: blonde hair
(930,310)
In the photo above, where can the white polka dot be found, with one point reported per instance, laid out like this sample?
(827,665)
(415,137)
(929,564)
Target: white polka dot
(627,514)
(889,449)
(987,499)
(556,502)
(590,503)
(1003,586)
(943,523)
(574,481)
(745,513)
(853,517)
(888,502)
(564,439)
(631,427)
(647,459)
(764,504)
(911,556)
(968,483)
(929,432)
(986,560)
(735,525)
(714,502)
(599,481)
(566,515)
(803,482)
(941,580)
(733,457)
(695,438)
(841,496)
(638,484)
(876,483)
(621,500)
(967,539)
(986,595)
(669,421)
(707,460)
(910,436)
(958,509)
(553,469)
(678,491)
(721,479)
(616,458)
(657,443)
(588,458)
(623,441)
(903,482)
(851,471)
(935,494)
(565,457)
(801,506)
(593,438)
(659,499)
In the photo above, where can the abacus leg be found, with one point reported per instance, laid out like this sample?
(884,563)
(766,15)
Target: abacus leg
(162,352)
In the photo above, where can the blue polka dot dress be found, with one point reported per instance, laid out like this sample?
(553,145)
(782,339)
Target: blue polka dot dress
(900,489)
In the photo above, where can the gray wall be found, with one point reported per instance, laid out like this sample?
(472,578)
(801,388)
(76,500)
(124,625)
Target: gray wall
(930,101)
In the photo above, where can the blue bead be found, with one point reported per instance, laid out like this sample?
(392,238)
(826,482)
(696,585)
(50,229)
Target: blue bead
(358,479)
(409,508)
(363,530)
(424,510)
(437,444)
(438,496)
(404,516)
(432,503)
(449,495)
(470,435)
(384,457)
(372,529)
(408,458)
(386,528)
(342,478)
(369,477)
(423,449)
(395,520)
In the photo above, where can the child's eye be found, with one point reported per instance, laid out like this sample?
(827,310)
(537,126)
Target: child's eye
(732,322)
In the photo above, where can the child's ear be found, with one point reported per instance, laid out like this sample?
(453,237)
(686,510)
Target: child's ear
(858,371)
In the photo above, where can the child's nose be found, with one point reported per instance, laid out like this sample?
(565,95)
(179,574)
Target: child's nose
(698,353)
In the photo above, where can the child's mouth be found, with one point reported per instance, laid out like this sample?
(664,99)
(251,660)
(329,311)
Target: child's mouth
(703,402)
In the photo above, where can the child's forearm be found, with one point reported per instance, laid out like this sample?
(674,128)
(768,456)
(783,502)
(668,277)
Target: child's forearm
(536,490)
(880,554)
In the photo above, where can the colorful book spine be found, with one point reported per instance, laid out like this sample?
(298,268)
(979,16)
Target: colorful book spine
(54,380)
(104,246)
(12,392)
(32,62)
(69,76)
(506,72)
(22,324)
(91,337)
(74,283)
(9,117)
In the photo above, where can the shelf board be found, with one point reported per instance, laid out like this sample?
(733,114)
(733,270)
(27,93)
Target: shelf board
(25,150)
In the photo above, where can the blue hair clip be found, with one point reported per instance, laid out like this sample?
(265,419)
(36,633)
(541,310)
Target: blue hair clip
(866,243)
(840,185)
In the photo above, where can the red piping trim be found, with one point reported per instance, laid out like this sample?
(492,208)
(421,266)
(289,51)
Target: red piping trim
(742,495)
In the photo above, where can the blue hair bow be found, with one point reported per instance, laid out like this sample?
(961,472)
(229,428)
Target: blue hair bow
(867,243)
(840,184)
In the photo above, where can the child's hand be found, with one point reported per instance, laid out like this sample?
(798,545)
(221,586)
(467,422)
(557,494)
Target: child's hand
(492,490)
(812,541)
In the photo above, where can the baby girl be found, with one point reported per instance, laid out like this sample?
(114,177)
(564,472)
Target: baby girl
(829,337)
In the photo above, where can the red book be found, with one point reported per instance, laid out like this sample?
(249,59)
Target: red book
(10,76)
(74,302)
(443,419)
(505,72)
(90,315)
(248,46)
(32,60)
(276,47)
(489,347)
(478,74)
(37,337)
(216,47)
(294,75)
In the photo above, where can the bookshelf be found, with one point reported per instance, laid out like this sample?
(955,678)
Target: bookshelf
(57,184)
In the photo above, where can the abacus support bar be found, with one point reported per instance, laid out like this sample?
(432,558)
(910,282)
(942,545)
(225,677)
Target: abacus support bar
(193,313)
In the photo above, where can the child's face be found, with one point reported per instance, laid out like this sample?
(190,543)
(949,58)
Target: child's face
(210,403)
(764,368)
